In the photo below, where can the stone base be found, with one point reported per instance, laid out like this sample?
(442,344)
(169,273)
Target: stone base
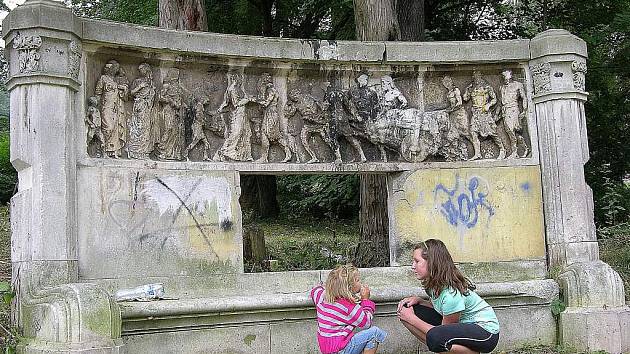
(592,329)
(38,347)
(285,323)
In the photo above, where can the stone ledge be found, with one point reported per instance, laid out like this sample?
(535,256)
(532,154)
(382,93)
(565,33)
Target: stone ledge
(302,168)
(165,315)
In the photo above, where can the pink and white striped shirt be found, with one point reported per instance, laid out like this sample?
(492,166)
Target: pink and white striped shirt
(335,322)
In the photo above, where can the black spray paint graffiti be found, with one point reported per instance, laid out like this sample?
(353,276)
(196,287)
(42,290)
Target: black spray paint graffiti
(182,198)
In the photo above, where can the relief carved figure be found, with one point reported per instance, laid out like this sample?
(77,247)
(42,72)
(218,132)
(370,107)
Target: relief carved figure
(511,93)
(313,118)
(237,146)
(338,109)
(112,90)
(28,52)
(482,122)
(171,118)
(391,97)
(270,131)
(364,106)
(458,125)
(198,135)
(141,140)
(459,118)
(93,121)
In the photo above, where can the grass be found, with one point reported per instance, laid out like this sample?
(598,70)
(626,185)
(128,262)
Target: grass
(299,244)
(5,272)
(615,250)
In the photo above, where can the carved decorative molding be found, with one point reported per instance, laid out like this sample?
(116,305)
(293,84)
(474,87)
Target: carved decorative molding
(28,52)
(541,77)
(579,72)
(74,59)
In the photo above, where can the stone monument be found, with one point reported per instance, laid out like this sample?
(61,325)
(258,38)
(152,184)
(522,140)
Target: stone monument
(129,143)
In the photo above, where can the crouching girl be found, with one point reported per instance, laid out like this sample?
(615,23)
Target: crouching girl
(456,319)
(344,320)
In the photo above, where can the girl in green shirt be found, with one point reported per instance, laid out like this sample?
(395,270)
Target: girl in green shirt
(456,319)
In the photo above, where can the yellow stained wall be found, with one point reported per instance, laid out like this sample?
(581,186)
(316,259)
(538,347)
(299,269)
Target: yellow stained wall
(443,204)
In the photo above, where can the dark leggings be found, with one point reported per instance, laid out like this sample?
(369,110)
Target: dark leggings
(441,337)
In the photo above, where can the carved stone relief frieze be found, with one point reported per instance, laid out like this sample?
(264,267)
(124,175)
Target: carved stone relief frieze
(579,72)
(28,52)
(259,115)
(541,78)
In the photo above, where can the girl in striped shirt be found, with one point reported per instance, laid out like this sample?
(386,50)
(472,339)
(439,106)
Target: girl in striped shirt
(344,320)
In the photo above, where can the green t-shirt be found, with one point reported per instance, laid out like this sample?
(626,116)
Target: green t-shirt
(472,307)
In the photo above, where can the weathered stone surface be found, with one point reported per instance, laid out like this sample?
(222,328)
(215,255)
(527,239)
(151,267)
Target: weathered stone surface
(592,284)
(291,316)
(166,224)
(481,215)
(237,340)
(596,329)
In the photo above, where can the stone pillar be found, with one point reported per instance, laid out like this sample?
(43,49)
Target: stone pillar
(55,312)
(590,288)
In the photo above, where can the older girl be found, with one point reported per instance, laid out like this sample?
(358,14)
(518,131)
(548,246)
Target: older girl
(456,319)
(340,312)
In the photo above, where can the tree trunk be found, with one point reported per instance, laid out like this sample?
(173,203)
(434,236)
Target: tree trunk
(267,202)
(183,14)
(373,247)
(381,20)
(258,195)
(376,20)
(411,19)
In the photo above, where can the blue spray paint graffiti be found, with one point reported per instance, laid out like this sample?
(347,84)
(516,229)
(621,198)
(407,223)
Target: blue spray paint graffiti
(462,206)
(525,186)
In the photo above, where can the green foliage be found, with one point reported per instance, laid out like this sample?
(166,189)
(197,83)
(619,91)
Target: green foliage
(557,306)
(8,337)
(614,242)
(330,196)
(6,292)
(8,175)
(132,11)
(324,19)
(306,243)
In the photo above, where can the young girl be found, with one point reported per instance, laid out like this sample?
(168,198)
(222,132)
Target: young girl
(340,311)
(456,320)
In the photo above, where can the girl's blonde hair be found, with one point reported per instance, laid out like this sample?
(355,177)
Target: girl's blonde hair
(442,270)
(339,283)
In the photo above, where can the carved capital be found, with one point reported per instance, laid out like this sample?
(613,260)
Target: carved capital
(541,76)
(74,59)
(579,71)
(27,47)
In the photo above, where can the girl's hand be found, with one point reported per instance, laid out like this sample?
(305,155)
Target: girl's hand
(365,292)
(408,302)
(406,314)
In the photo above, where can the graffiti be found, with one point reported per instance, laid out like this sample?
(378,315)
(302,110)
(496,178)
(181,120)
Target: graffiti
(525,186)
(463,204)
(171,197)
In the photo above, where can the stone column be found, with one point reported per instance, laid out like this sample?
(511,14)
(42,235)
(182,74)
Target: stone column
(591,289)
(55,312)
